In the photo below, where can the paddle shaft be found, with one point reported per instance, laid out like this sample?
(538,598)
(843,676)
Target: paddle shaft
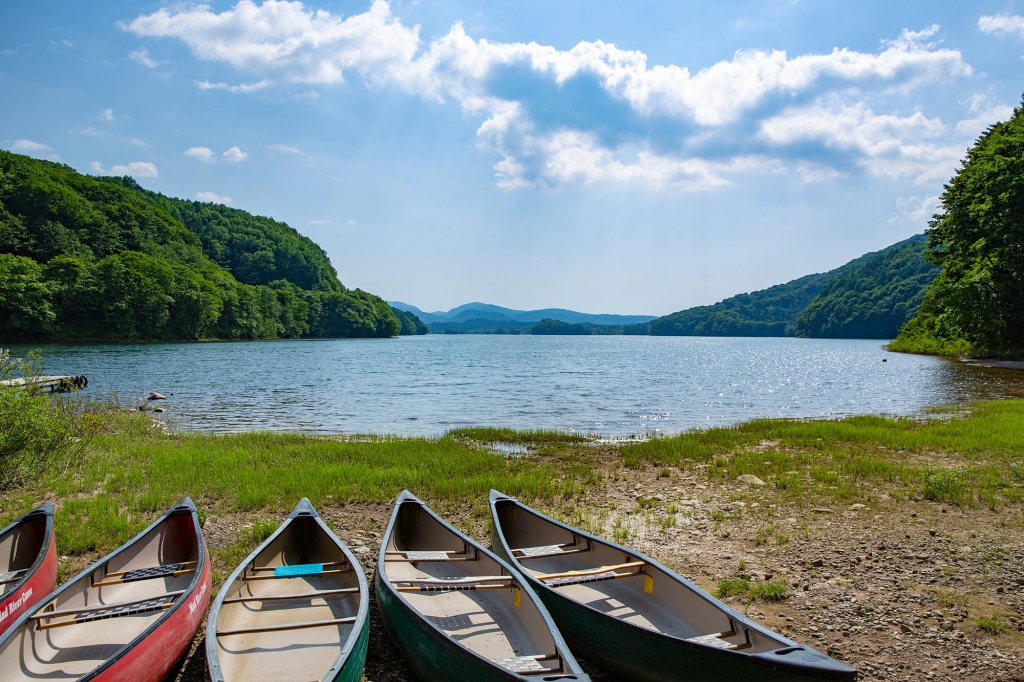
(591,571)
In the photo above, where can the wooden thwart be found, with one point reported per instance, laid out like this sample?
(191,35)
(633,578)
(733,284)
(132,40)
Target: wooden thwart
(60,624)
(121,581)
(103,607)
(112,574)
(287,626)
(286,597)
(468,580)
(273,568)
(286,577)
(591,571)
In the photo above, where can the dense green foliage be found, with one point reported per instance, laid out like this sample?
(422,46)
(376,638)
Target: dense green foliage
(37,431)
(978,299)
(773,311)
(412,325)
(557,327)
(101,258)
(874,300)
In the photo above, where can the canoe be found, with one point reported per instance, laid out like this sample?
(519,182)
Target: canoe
(128,618)
(297,608)
(28,563)
(456,611)
(638,619)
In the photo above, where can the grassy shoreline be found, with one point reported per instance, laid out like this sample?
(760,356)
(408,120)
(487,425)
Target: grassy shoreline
(974,457)
(781,548)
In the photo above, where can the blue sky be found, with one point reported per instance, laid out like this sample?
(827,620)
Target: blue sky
(636,157)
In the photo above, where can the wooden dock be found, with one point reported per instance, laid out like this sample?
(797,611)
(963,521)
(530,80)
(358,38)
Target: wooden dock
(54,384)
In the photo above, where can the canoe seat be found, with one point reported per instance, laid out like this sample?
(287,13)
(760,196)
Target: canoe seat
(298,570)
(89,614)
(542,551)
(527,664)
(580,580)
(411,555)
(718,641)
(151,572)
(11,576)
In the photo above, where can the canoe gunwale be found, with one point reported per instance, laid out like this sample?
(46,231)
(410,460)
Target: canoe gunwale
(303,510)
(570,666)
(735,617)
(186,506)
(45,509)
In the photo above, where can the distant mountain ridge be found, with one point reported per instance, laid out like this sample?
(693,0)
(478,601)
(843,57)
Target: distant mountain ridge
(478,316)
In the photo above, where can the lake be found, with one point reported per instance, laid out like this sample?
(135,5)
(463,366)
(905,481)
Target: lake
(617,386)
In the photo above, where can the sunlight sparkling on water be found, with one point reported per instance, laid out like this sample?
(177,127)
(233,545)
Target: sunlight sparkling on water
(616,386)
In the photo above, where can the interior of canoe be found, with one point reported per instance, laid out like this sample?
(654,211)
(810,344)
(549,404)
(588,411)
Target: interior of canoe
(291,611)
(620,584)
(105,609)
(467,594)
(19,548)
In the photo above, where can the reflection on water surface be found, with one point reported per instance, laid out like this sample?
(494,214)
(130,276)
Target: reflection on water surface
(616,386)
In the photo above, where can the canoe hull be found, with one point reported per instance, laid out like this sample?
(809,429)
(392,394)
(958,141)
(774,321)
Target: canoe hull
(305,523)
(153,658)
(39,583)
(432,657)
(634,654)
(352,671)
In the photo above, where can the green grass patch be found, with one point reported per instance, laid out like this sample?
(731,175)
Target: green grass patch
(843,458)
(991,625)
(772,591)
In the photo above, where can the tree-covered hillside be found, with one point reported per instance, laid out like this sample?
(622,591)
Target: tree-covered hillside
(768,312)
(976,304)
(83,257)
(873,301)
(411,324)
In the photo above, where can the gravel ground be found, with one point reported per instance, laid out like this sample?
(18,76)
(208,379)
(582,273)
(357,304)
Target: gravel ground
(895,588)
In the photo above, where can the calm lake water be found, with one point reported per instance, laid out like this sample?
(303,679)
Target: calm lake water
(617,386)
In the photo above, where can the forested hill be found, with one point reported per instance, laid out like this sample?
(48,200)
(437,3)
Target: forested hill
(775,311)
(85,257)
(875,300)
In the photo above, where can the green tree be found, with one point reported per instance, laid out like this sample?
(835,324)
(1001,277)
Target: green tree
(25,309)
(978,239)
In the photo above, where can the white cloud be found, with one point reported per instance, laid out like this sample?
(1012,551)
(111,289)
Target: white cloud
(212,198)
(318,222)
(136,169)
(984,113)
(204,154)
(915,209)
(285,148)
(234,155)
(91,132)
(142,57)
(281,42)
(243,88)
(1002,25)
(29,146)
(137,142)
(105,115)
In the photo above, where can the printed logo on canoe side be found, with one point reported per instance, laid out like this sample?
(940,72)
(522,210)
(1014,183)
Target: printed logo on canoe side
(13,606)
(194,604)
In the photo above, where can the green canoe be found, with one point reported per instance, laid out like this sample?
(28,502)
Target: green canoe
(296,609)
(638,619)
(459,613)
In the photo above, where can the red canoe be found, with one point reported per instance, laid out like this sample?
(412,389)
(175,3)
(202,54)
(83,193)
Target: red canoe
(128,618)
(28,563)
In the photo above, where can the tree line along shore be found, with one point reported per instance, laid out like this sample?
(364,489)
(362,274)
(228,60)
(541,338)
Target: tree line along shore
(93,258)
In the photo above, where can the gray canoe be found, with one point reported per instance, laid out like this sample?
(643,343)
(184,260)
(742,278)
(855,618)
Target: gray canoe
(295,609)
(638,619)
